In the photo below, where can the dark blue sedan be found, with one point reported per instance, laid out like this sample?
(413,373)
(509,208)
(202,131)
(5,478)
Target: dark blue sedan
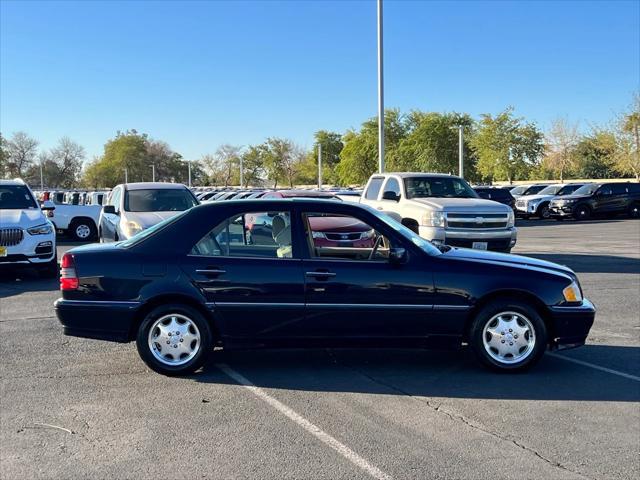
(200,279)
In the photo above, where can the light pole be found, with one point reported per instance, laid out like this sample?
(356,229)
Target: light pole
(319,166)
(461,151)
(41,178)
(126,176)
(241,172)
(189,163)
(380,93)
(153,173)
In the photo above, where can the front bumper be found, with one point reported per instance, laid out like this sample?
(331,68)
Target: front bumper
(32,250)
(501,239)
(102,320)
(526,210)
(571,325)
(561,211)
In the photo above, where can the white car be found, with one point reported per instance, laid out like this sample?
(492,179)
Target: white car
(134,207)
(27,237)
(537,205)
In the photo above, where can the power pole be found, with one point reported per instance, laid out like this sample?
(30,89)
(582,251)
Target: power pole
(380,93)
(461,151)
(319,166)
(241,172)
(153,173)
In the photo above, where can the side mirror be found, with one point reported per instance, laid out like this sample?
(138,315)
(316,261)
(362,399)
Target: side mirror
(48,205)
(389,195)
(397,255)
(111,209)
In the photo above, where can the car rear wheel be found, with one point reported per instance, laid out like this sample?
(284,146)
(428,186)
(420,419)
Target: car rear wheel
(174,339)
(634,210)
(508,336)
(82,230)
(582,212)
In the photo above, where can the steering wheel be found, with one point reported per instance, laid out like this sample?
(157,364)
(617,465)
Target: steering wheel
(375,247)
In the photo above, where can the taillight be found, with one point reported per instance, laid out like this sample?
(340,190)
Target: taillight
(68,277)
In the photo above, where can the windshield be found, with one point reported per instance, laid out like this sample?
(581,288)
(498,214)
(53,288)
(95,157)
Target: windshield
(568,190)
(416,239)
(159,200)
(140,236)
(16,197)
(587,189)
(551,190)
(430,187)
(518,190)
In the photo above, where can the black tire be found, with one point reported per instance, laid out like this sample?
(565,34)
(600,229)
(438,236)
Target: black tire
(487,314)
(634,210)
(582,212)
(82,229)
(203,350)
(543,211)
(49,269)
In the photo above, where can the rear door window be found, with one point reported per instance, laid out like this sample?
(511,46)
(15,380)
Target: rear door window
(252,234)
(374,188)
(392,185)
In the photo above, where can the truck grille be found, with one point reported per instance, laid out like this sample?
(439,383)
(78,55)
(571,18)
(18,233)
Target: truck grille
(477,220)
(10,237)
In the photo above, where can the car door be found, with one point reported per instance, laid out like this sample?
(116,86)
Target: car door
(253,282)
(110,220)
(619,197)
(604,199)
(352,292)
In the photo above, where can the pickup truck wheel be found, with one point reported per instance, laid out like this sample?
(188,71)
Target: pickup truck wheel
(49,269)
(582,212)
(508,335)
(634,210)
(174,339)
(82,230)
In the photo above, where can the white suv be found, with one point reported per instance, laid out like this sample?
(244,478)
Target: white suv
(27,237)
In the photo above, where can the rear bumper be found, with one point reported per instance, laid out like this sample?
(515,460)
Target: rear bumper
(561,212)
(572,324)
(102,320)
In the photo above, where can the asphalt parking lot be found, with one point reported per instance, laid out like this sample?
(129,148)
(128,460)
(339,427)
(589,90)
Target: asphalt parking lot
(75,408)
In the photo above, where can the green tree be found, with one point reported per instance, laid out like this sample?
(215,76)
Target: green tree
(359,157)
(560,144)
(253,161)
(431,144)
(594,155)
(506,147)
(282,159)
(627,157)
(4,155)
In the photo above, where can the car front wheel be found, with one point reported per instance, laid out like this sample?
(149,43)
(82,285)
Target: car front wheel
(508,336)
(582,212)
(174,339)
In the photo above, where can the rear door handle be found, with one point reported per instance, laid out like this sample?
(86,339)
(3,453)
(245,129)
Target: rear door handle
(210,271)
(320,274)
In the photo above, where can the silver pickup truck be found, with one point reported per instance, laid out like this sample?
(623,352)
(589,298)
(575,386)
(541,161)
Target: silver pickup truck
(443,209)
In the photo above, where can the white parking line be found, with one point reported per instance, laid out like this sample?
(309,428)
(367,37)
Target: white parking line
(317,432)
(596,367)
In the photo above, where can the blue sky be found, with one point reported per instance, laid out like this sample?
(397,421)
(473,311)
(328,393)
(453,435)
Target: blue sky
(199,74)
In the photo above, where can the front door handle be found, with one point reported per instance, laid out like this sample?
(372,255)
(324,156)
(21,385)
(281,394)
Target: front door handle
(210,271)
(320,274)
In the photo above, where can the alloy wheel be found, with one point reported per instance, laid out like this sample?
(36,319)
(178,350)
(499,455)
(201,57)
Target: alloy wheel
(174,339)
(83,231)
(508,337)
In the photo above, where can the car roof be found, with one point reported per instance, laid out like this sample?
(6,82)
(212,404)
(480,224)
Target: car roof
(152,185)
(414,174)
(16,181)
(305,193)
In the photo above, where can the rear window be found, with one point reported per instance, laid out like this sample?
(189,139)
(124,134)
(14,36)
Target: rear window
(374,188)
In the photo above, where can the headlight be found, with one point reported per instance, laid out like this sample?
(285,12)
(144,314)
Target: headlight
(572,293)
(366,235)
(43,229)
(511,219)
(434,219)
(131,228)
(318,235)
